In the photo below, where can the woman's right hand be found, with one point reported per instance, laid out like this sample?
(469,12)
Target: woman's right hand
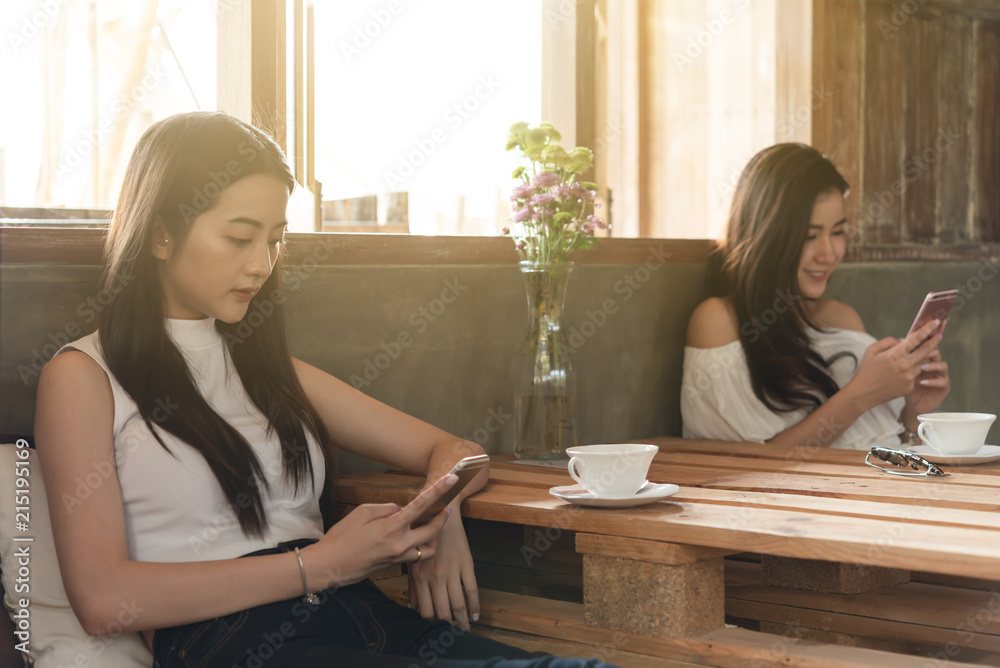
(372,537)
(889,368)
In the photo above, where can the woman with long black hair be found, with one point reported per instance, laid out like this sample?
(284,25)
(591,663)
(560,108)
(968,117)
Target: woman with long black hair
(212,525)
(767,358)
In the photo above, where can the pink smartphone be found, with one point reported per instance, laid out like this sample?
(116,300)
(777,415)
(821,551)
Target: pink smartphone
(935,307)
(466,469)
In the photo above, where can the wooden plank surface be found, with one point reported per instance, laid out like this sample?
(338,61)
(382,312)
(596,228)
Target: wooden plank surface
(838,47)
(922,89)
(776,500)
(899,511)
(651,551)
(621,658)
(954,112)
(972,552)
(826,490)
(884,59)
(986,128)
(726,648)
(916,612)
(770,451)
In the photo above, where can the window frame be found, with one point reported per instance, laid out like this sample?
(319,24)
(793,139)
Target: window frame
(253,46)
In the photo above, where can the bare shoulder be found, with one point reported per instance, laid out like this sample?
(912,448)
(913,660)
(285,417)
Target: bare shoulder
(73,385)
(833,313)
(76,368)
(713,324)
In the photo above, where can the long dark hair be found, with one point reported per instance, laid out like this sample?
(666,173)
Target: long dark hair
(758,264)
(178,170)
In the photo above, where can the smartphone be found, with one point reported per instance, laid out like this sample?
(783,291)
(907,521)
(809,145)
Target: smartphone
(466,469)
(935,307)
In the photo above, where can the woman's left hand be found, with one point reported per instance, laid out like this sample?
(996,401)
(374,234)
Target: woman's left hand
(931,386)
(444,587)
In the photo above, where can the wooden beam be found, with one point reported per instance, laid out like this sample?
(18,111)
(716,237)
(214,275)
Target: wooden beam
(251,63)
(651,551)
(298,148)
(619,131)
(986,9)
(310,106)
(83,246)
(793,86)
(233,59)
(559,58)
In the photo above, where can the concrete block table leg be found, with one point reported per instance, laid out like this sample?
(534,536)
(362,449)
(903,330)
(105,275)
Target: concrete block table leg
(659,589)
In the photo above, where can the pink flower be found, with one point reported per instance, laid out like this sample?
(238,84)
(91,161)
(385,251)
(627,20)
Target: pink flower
(522,215)
(542,199)
(592,222)
(522,191)
(546,179)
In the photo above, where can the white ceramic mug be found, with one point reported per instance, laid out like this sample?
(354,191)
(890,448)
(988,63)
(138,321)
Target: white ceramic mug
(955,433)
(614,471)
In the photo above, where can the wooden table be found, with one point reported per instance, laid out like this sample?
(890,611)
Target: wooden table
(820,547)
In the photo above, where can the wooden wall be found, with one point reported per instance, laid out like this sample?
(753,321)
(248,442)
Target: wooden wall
(707,82)
(913,118)
(902,94)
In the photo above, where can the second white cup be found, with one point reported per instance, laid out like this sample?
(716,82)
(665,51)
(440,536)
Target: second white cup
(955,433)
(613,471)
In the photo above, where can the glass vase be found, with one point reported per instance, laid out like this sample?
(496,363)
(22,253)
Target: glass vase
(545,385)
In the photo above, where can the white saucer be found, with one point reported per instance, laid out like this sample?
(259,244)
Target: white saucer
(986,454)
(648,494)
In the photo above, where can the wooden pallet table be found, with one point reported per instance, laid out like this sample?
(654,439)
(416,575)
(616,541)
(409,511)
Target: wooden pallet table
(847,565)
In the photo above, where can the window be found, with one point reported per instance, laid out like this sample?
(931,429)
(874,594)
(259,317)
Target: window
(417,99)
(90,77)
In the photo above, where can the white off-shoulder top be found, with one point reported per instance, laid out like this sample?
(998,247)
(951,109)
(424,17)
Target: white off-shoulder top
(718,402)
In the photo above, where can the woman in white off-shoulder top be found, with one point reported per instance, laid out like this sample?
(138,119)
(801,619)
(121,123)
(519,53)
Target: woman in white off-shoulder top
(770,360)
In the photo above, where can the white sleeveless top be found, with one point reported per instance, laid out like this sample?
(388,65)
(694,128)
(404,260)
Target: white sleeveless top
(175,509)
(718,401)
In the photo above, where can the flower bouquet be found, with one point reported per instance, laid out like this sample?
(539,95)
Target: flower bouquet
(553,213)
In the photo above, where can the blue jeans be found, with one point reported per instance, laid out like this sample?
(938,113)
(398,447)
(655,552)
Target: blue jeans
(356,625)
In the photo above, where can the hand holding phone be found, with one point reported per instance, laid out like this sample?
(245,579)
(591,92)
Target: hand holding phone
(936,306)
(466,469)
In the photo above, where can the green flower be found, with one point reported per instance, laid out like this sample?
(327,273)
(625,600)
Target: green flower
(535,139)
(580,159)
(518,173)
(550,131)
(555,155)
(515,135)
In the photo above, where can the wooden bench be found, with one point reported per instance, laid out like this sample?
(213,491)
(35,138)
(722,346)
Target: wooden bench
(536,566)
(538,624)
(820,569)
(904,618)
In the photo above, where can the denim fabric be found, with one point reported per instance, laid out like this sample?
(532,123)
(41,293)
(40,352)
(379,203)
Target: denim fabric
(356,625)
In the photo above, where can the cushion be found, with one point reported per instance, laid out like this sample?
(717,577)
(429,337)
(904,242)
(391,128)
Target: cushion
(56,638)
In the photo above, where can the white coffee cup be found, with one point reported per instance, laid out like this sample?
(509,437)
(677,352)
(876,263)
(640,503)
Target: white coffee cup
(955,433)
(614,471)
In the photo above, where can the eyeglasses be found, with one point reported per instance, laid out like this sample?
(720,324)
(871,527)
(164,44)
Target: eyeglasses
(901,460)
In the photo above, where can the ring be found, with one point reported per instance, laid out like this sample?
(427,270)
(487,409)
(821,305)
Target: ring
(419,554)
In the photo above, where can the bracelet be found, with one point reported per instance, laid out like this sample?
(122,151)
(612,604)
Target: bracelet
(310,598)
